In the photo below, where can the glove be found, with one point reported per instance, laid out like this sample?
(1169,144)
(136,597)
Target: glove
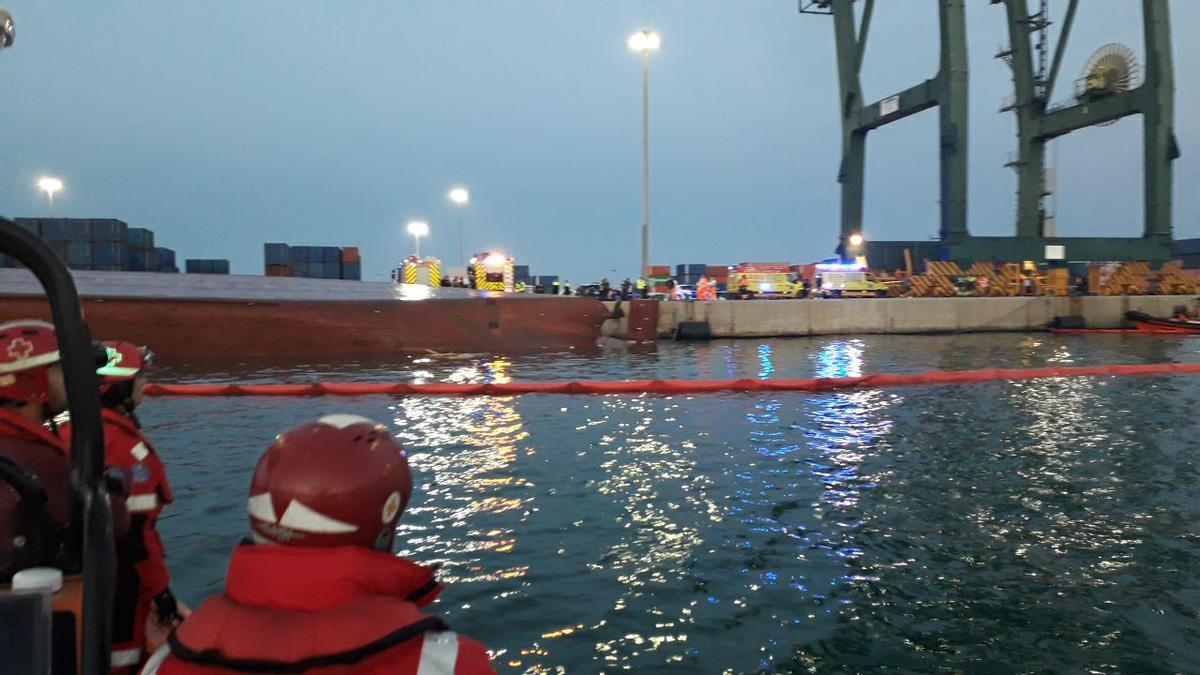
(167,609)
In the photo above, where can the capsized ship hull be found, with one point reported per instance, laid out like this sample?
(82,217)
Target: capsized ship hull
(193,315)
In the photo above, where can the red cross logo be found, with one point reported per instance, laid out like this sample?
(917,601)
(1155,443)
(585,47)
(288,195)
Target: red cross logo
(20,349)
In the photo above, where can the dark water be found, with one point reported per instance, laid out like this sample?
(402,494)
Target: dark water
(1040,526)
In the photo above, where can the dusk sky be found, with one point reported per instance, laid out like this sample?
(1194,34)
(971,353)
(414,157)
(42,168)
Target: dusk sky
(225,124)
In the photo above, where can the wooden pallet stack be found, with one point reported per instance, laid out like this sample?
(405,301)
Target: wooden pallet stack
(1011,278)
(1128,279)
(1172,281)
(1058,282)
(935,283)
(999,282)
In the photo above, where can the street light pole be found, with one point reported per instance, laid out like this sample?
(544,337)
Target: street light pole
(645,163)
(418,229)
(645,42)
(460,197)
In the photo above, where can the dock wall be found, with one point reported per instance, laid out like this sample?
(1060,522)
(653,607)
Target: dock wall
(783,318)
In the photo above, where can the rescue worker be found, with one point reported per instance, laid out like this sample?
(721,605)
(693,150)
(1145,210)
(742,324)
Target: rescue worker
(142,599)
(31,394)
(555,288)
(566,287)
(743,287)
(319,590)
(702,289)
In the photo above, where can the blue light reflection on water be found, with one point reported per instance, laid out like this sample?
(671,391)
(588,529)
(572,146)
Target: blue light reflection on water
(919,527)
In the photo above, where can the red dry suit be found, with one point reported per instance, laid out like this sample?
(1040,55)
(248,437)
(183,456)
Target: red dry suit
(330,611)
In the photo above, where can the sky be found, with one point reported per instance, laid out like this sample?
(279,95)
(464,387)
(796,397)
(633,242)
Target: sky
(224,124)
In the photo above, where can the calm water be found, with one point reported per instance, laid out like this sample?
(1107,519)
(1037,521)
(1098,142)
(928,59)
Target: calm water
(1047,525)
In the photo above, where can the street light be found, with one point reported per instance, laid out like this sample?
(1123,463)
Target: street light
(645,41)
(856,240)
(50,185)
(460,197)
(418,229)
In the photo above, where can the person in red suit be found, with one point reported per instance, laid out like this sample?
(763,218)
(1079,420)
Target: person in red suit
(142,598)
(319,590)
(35,485)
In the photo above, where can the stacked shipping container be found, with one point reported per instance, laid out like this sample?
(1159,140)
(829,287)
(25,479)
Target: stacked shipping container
(313,262)
(1187,251)
(104,244)
(206,266)
(690,274)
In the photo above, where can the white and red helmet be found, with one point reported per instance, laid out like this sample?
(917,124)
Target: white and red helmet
(341,480)
(28,348)
(123,361)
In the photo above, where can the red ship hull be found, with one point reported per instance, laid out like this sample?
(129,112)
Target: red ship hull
(314,320)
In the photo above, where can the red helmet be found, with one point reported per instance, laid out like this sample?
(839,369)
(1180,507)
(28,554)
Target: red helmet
(336,481)
(123,362)
(28,348)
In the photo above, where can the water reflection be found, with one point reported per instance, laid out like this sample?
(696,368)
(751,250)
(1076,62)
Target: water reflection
(992,527)
(650,473)
(473,500)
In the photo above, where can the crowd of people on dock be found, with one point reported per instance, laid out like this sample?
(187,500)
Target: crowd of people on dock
(315,588)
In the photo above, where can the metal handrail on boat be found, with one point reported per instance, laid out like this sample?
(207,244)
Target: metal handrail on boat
(92,521)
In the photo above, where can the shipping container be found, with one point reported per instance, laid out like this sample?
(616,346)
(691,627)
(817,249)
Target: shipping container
(1185,247)
(660,270)
(79,255)
(350,254)
(109,230)
(277,254)
(66,229)
(1190,261)
(139,237)
(207,266)
(110,254)
(32,224)
(332,254)
(279,270)
(352,271)
(166,259)
(305,254)
(143,260)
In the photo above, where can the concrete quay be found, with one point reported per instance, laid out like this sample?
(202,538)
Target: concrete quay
(793,318)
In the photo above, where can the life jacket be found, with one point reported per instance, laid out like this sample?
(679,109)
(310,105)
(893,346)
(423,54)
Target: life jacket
(40,468)
(39,459)
(141,559)
(313,610)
